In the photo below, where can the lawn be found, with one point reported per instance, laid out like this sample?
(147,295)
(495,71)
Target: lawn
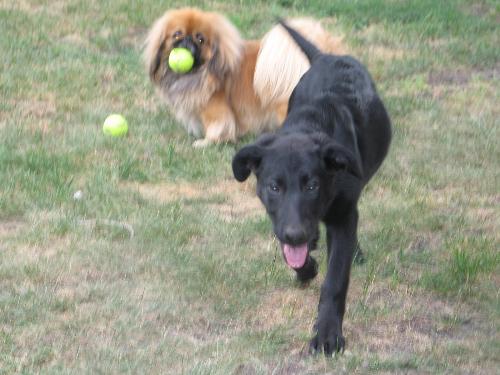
(165,264)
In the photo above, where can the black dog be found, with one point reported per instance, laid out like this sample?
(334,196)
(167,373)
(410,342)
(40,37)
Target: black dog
(336,135)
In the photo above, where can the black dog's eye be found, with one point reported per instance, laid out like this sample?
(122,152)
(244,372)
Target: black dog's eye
(274,187)
(200,38)
(177,35)
(312,186)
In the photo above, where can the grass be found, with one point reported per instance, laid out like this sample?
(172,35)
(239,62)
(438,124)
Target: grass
(200,287)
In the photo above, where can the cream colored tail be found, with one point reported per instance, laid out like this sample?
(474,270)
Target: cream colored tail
(281,63)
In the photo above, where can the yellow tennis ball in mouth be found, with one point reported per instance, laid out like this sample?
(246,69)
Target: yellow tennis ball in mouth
(115,125)
(180,60)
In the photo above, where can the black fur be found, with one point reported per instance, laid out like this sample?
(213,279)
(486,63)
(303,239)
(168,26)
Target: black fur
(335,137)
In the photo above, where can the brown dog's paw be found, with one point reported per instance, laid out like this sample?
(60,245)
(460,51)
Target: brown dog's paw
(201,143)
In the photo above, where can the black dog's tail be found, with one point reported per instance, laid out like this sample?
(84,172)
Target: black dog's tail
(309,49)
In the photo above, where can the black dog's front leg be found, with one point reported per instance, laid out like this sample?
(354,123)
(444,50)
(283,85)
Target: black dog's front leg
(341,240)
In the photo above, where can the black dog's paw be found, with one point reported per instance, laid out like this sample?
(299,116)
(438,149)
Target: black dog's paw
(328,337)
(327,342)
(308,272)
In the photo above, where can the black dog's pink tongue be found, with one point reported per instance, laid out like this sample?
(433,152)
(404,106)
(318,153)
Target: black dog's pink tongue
(295,256)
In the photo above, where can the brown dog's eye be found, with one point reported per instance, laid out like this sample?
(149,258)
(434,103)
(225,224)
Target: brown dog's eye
(200,38)
(177,34)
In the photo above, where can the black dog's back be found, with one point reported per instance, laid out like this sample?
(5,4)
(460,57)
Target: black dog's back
(348,77)
(343,80)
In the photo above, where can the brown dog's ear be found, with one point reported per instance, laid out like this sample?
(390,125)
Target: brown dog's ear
(155,44)
(247,160)
(336,157)
(227,46)
(155,63)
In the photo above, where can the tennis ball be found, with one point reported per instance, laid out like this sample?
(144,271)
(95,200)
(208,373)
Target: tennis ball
(180,60)
(115,125)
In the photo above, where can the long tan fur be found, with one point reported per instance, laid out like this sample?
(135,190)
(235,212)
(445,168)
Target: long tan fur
(242,87)
(281,63)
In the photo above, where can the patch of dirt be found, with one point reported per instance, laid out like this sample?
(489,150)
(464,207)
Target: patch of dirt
(376,49)
(33,253)
(399,323)
(239,201)
(291,306)
(372,32)
(481,209)
(10,228)
(76,39)
(402,322)
(487,218)
(168,192)
(461,77)
(148,103)
(429,241)
(135,37)
(478,9)
(490,73)
(39,108)
(27,252)
(291,365)
(386,53)
(449,77)
(55,8)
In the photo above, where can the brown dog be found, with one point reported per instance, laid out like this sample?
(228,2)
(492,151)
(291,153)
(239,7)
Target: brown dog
(235,86)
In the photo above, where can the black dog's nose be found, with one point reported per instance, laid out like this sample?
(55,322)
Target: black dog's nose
(294,235)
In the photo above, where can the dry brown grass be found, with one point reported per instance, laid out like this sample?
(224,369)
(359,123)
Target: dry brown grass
(10,228)
(240,201)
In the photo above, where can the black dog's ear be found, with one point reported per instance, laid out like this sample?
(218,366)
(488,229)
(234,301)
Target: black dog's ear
(337,157)
(246,160)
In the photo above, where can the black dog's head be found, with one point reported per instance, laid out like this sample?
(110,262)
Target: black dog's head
(296,176)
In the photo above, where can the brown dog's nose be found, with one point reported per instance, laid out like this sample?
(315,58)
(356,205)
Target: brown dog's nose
(294,235)
(189,44)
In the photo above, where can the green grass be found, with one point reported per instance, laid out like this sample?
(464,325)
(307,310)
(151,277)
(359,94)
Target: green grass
(459,273)
(200,287)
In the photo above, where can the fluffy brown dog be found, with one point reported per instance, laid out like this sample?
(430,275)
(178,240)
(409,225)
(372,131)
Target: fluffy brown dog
(235,86)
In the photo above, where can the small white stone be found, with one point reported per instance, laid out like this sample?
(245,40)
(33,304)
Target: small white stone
(78,195)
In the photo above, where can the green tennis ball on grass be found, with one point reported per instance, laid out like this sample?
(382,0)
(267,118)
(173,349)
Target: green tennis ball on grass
(115,125)
(180,60)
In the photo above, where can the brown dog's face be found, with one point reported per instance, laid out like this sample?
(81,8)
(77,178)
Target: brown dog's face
(211,38)
(190,30)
